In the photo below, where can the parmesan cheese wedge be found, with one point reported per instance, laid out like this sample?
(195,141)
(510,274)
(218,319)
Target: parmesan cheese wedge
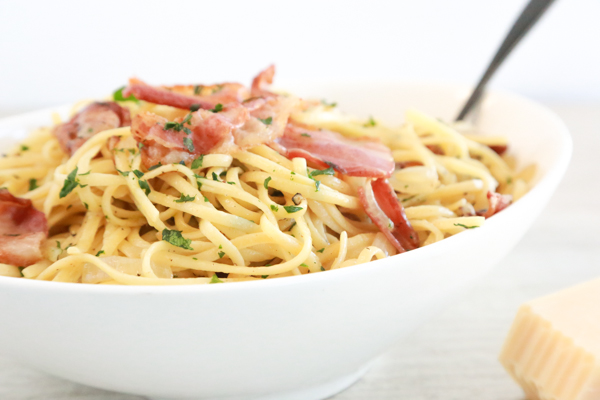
(553,347)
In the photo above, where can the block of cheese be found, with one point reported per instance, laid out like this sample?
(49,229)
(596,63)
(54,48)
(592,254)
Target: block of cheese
(553,347)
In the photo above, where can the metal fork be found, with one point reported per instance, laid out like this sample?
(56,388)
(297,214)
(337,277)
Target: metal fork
(529,16)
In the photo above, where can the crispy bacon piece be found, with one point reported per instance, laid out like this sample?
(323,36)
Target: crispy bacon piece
(321,148)
(95,118)
(262,81)
(165,97)
(500,149)
(223,93)
(22,231)
(382,206)
(236,127)
(497,203)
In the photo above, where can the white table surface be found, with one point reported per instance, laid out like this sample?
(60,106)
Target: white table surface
(454,356)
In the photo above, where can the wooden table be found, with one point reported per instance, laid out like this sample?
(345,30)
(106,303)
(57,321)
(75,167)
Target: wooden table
(454,356)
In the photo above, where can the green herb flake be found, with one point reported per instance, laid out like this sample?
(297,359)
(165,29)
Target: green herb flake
(322,250)
(264,276)
(189,144)
(218,108)
(328,171)
(292,209)
(33,184)
(24,148)
(326,104)
(509,180)
(266,121)
(322,269)
(197,163)
(305,135)
(466,227)
(21,271)
(176,239)
(100,252)
(370,122)
(274,207)
(215,177)
(140,145)
(70,183)
(221,254)
(220,246)
(194,107)
(266,182)
(230,183)
(123,173)
(206,199)
(215,279)
(118,96)
(144,186)
(87,207)
(304,265)
(138,173)
(152,168)
(184,199)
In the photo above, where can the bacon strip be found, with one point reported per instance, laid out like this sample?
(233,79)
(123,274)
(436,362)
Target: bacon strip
(497,203)
(22,231)
(165,97)
(236,127)
(321,148)
(262,81)
(95,118)
(382,206)
(500,149)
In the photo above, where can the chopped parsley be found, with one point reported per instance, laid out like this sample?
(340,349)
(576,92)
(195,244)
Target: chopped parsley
(100,252)
(144,186)
(218,107)
(328,171)
(138,173)
(264,276)
(215,177)
(326,104)
(215,279)
(152,168)
(176,239)
(230,183)
(322,268)
(509,180)
(118,96)
(370,122)
(33,184)
(21,271)
(86,205)
(266,182)
(178,126)
(305,135)
(194,107)
(292,209)
(221,254)
(466,227)
(24,148)
(197,163)
(123,173)
(322,250)
(266,121)
(184,199)
(304,265)
(70,183)
(274,207)
(206,199)
(189,144)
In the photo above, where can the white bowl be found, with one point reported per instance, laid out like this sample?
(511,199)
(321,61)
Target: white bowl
(304,337)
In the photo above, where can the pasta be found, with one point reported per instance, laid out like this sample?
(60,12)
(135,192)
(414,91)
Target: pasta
(248,214)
